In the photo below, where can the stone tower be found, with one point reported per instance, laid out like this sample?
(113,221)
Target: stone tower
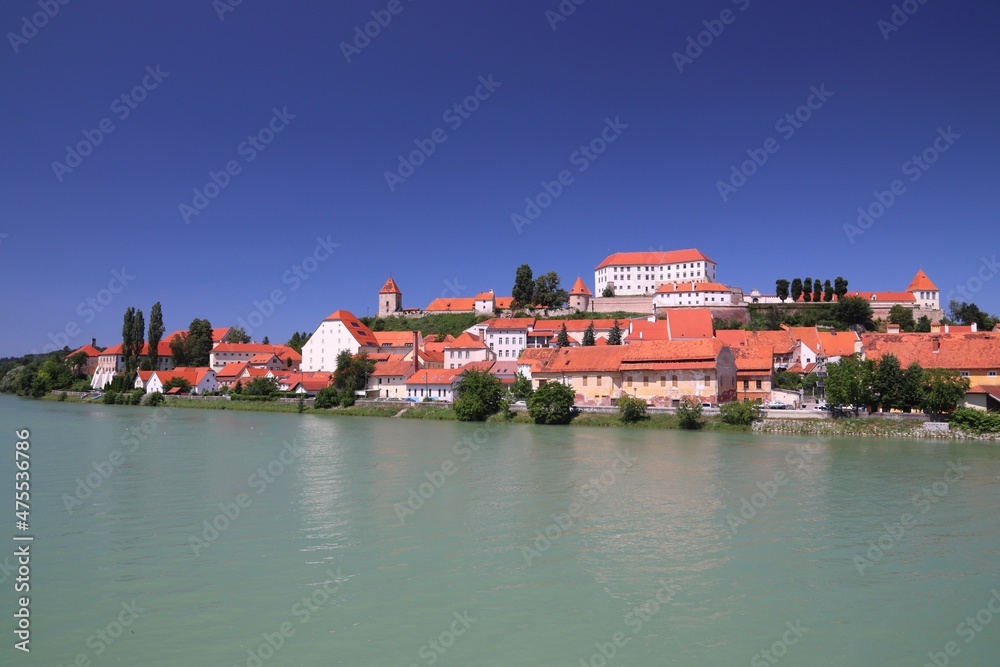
(390,299)
(579,296)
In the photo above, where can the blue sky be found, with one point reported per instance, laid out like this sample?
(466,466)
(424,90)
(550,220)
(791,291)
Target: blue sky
(266,91)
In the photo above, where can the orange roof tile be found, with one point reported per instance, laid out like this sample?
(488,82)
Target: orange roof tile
(466,341)
(687,323)
(921,282)
(485,296)
(580,288)
(231,370)
(733,338)
(580,359)
(393,368)
(970,351)
(88,350)
(390,287)
(672,288)
(837,343)
(646,330)
(395,338)
(451,305)
(654,258)
(672,350)
(434,376)
(504,302)
(509,323)
(537,358)
(361,333)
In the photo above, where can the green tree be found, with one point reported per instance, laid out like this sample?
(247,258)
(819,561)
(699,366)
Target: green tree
(903,316)
(178,349)
(787,380)
(179,382)
(609,291)
(817,290)
(553,403)
(615,336)
(689,415)
(78,362)
(261,386)
(849,382)
(198,344)
(827,291)
(631,409)
(911,390)
(887,382)
(796,289)
(524,287)
(942,392)
(969,313)
(807,289)
(352,371)
(327,397)
(562,339)
(840,287)
(742,413)
(781,289)
(521,389)
(854,311)
(589,338)
(155,335)
(266,341)
(923,325)
(478,395)
(138,340)
(298,340)
(237,335)
(548,293)
(128,338)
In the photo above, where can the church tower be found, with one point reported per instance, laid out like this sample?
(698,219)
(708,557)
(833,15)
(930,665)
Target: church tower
(390,299)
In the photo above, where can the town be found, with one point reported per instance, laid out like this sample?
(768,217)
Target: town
(657,326)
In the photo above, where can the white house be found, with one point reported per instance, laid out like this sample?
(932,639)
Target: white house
(675,295)
(111,362)
(338,332)
(435,383)
(388,380)
(506,337)
(637,273)
(466,349)
(201,380)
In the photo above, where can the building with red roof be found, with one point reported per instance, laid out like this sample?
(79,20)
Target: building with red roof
(633,273)
(340,331)
(92,354)
(466,349)
(200,380)
(972,355)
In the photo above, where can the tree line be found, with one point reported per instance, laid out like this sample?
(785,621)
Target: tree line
(811,289)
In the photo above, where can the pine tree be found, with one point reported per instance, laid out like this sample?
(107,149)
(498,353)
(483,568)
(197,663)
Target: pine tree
(562,340)
(155,334)
(588,336)
(615,337)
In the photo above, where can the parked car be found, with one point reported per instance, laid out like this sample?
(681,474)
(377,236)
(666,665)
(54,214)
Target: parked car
(519,403)
(777,406)
(706,405)
(822,406)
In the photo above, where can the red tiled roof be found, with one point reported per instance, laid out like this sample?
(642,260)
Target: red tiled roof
(88,350)
(390,287)
(734,338)
(751,358)
(504,302)
(392,368)
(537,358)
(431,356)
(465,341)
(451,305)
(485,296)
(654,258)
(576,359)
(395,338)
(509,323)
(192,375)
(434,376)
(580,288)
(781,341)
(971,351)
(690,323)
(673,350)
(672,288)
(992,390)
(231,370)
(482,366)
(809,336)
(646,330)
(361,333)
(577,326)
(837,343)
(163,349)
(921,282)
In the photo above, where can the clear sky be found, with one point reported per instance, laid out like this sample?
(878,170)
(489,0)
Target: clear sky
(154,97)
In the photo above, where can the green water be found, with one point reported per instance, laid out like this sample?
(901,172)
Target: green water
(468,569)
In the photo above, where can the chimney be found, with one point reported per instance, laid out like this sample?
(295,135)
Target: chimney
(892,328)
(416,353)
(935,327)
(93,342)
(936,344)
(975,327)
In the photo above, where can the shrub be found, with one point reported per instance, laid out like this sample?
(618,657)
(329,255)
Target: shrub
(110,397)
(153,399)
(135,396)
(62,397)
(327,397)
(741,414)
(478,395)
(347,397)
(631,409)
(976,421)
(553,404)
(689,415)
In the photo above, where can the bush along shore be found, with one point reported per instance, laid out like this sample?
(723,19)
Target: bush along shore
(964,426)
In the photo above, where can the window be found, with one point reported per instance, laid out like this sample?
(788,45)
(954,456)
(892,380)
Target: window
(598,380)
(758,384)
(746,385)
(629,380)
(708,379)
(466,354)
(965,374)
(584,380)
(991,374)
(663,380)
(645,380)
(673,380)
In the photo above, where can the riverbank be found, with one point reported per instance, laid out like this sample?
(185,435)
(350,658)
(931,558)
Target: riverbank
(872,427)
